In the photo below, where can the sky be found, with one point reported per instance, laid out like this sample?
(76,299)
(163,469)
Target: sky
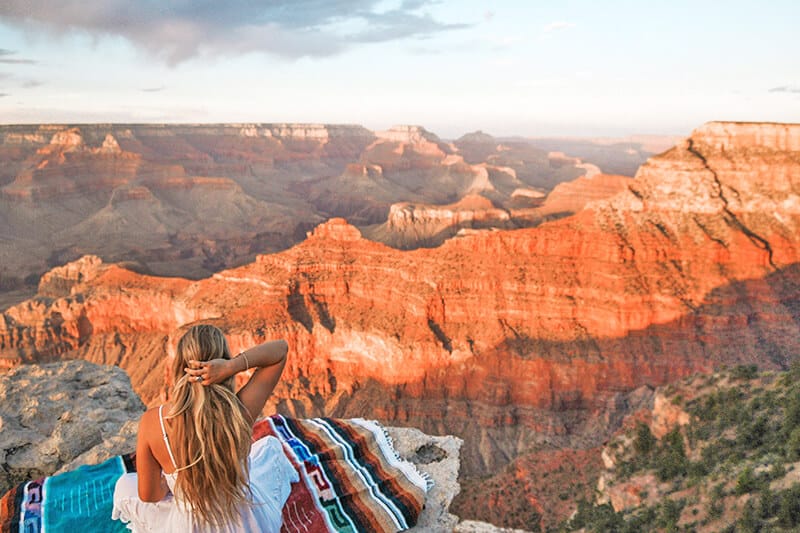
(530,68)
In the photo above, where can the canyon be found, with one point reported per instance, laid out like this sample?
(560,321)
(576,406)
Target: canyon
(527,343)
(191,200)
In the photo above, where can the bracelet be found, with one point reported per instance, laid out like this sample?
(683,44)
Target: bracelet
(246,362)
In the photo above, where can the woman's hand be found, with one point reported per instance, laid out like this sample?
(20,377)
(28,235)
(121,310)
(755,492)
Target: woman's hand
(209,372)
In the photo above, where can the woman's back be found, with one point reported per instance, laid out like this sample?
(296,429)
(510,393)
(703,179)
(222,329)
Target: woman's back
(198,448)
(270,484)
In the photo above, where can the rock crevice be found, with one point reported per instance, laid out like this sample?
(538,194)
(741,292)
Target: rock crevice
(757,240)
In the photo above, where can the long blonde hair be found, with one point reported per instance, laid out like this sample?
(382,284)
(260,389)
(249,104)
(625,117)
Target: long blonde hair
(212,437)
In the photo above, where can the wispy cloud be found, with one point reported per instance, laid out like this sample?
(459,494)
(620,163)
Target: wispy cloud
(177,31)
(557,26)
(424,50)
(2,95)
(153,89)
(786,89)
(4,53)
(30,84)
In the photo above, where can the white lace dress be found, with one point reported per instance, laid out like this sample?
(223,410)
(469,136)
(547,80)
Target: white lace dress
(271,476)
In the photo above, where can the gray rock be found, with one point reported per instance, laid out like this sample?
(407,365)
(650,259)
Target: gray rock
(473,526)
(119,444)
(50,414)
(439,458)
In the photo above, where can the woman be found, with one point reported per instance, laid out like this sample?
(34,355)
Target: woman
(196,470)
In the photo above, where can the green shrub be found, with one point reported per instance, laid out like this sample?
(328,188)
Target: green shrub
(715,508)
(643,442)
(789,507)
(596,518)
(792,447)
(776,471)
(751,435)
(669,514)
(744,372)
(768,503)
(791,413)
(670,461)
(749,522)
(747,481)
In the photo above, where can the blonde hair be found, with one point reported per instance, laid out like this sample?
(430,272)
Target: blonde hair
(212,437)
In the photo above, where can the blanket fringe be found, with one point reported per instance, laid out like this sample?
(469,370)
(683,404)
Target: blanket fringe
(420,478)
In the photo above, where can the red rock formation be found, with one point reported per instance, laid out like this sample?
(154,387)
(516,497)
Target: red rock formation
(411,225)
(499,336)
(190,200)
(572,196)
(537,489)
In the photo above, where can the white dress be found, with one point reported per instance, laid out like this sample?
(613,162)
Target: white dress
(271,476)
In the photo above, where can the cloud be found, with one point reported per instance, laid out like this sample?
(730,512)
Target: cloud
(2,95)
(424,50)
(30,84)
(13,60)
(153,89)
(557,26)
(786,89)
(177,31)
(399,24)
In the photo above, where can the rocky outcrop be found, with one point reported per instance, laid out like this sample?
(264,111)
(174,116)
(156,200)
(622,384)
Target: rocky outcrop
(59,281)
(736,136)
(52,414)
(408,135)
(439,458)
(60,416)
(414,225)
(569,197)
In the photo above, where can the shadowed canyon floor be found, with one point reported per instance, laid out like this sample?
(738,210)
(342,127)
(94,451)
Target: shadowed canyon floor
(525,342)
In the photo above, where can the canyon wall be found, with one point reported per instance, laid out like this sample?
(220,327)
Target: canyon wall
(519,341)
(189,200)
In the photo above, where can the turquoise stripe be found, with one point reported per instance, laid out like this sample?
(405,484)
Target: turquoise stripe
(83,498)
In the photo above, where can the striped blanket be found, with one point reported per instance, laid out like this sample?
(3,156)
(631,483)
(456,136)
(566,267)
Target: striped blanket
(351,481)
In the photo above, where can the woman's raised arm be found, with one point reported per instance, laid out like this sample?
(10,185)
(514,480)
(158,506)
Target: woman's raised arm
(268,359)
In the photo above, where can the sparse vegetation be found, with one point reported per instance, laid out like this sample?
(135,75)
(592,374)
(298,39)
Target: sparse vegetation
(732,462)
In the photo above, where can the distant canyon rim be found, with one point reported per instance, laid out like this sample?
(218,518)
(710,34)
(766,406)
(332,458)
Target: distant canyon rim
(522,299)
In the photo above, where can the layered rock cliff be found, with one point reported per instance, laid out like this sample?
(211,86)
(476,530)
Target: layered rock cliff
(519,341)
(411,225)
(189,200)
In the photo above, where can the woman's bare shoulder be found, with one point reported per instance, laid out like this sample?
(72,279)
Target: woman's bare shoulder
(149,423)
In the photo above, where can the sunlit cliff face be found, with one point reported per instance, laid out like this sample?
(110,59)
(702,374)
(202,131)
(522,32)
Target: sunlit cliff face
(191,200)
(508,338)
(597,302)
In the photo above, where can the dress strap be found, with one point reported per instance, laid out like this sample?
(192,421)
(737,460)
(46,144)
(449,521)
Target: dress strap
(164,434)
